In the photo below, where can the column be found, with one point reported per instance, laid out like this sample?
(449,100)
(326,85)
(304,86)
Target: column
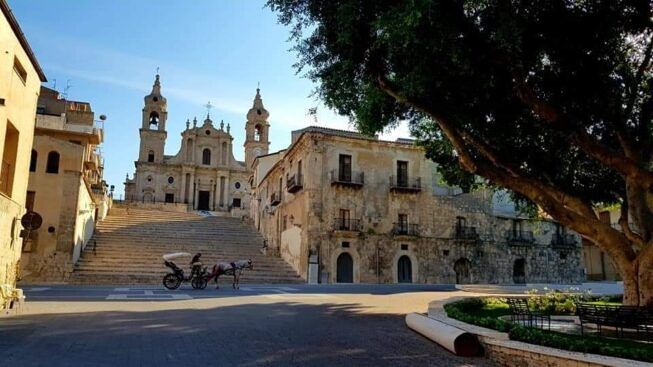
(191,190)
(222,180)
(227,189)
(182,188)
(196,193)
(211,195)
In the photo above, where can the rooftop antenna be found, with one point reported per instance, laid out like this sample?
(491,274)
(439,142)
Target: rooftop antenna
(65,90)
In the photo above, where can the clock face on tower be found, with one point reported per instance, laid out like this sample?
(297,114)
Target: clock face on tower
(257,152)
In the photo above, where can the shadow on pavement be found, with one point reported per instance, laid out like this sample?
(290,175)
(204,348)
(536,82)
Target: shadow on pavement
(277,334)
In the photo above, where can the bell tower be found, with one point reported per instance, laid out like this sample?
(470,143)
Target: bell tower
(153,129)
(256,130)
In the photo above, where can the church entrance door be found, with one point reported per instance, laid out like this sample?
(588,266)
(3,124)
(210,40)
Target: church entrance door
(203,200)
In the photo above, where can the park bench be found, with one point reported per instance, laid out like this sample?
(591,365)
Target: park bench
(520,313)
(635,318)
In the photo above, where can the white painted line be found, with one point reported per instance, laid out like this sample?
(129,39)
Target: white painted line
(138,297)
(299,295)
(37,289)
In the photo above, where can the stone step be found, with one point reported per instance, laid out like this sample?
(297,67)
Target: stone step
(129,248)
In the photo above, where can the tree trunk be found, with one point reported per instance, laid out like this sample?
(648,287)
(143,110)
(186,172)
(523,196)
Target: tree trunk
(645,277)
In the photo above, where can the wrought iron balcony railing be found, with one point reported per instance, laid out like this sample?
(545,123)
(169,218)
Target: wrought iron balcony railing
(405,184)
(517,236)
(294,183)
(405,229)
(347,224)
(347,178)
(275,199)
(465,233)
(563,240)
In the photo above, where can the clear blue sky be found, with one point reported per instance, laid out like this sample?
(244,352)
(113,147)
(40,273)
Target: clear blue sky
(206,50)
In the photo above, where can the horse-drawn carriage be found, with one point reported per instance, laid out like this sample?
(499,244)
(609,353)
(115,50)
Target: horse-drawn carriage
(199,276)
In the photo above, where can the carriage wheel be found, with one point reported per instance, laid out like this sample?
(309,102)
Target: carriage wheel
(171,281)
(199,283)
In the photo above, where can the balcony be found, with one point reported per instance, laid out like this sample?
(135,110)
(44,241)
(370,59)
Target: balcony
(346,224)
(404,184)
(275,199)
(405,229)
(93,162)
(294,183)
(465,233)
(519,238)
(563,240)
(347,179)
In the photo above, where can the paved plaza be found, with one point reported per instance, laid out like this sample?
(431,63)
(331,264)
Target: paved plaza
(294,325)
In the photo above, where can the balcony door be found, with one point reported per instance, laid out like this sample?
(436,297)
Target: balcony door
(402,173)
(344,168)
(344,221)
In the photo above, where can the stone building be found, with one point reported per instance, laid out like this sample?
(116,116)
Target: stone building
(598,264)
(203,175)
(366,210)
(20,80)
(65,186)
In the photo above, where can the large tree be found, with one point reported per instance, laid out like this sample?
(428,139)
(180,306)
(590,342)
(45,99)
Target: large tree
(550,99)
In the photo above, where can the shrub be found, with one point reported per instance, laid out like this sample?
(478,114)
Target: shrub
(585,344)
(555,302)
(463,311)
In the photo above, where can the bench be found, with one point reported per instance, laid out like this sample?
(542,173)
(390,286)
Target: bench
(635,318)
(520,313)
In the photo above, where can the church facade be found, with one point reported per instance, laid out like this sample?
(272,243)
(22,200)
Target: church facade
(203,175)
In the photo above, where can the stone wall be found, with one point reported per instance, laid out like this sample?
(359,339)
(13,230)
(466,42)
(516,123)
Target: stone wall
(435,251)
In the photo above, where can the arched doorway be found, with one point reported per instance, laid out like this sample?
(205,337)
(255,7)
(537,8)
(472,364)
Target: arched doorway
(519,271)
(404,270)
(462,267)
(345,269)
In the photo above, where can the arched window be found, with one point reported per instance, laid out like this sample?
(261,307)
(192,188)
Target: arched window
(154,118)
(224,152)
(150,156)
(32,162)
(206,156)
(257,133)
(53,163)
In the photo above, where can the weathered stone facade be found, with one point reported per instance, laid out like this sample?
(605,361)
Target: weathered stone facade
(66,186)
(204,173)
(20,80)
(381,204)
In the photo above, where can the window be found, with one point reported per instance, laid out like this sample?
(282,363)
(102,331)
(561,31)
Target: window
(345,244)
(29,201)
(206,156)
(208,132)
(20,70)
(52,165)
(237,185)
(171,180)
(344,168)
(32,162)
(149,178)
(150,156)
(404,247)
(236,203)
(154,118)
(170,198)
(257,133)
(402,173)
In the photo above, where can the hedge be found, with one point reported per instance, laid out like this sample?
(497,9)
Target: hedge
(465,310)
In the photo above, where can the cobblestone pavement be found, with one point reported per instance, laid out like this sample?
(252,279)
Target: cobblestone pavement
(257,326)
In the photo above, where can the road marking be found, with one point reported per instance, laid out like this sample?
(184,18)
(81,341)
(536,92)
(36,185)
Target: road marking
(37,289)
(139,297)
(299,295)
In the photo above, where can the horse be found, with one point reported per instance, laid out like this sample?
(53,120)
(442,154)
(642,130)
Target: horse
(234,268)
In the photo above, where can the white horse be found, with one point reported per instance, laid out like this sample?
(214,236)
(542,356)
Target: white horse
(234,268)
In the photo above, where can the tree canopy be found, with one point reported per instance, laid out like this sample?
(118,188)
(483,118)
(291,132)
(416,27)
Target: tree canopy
(550,99)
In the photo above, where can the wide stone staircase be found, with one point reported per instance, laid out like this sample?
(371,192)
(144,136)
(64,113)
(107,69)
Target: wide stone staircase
(129,245)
